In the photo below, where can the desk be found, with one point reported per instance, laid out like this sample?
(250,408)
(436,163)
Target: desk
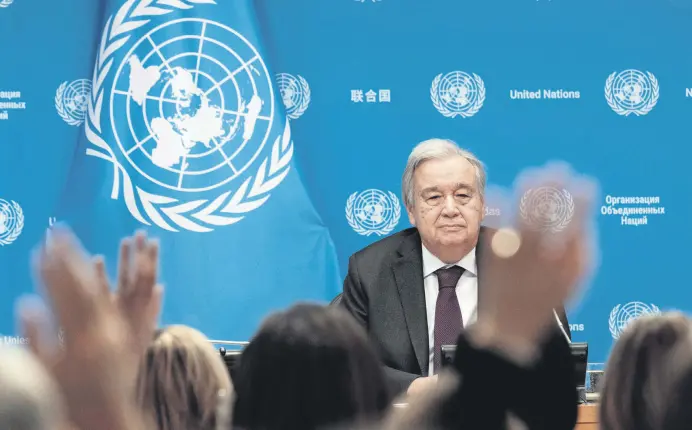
(588,417)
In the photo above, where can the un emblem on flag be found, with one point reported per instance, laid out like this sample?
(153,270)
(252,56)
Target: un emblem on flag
(457,94)
(373,212)
(6,3)
(11,221)
(189,107)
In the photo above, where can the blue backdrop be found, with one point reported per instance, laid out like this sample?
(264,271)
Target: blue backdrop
(263,142)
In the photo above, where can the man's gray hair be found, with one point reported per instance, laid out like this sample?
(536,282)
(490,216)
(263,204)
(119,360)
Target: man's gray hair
(437,149)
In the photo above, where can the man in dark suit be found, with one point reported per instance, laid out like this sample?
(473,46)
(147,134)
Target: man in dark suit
(417,289)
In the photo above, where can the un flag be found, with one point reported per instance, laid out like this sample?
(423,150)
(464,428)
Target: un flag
(186,136)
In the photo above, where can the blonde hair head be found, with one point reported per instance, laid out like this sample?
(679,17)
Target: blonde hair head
(183,382)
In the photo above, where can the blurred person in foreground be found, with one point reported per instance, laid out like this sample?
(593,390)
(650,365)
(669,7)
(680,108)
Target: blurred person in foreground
(105,333)
(29,398)
(510,370)
(645,381)
(183,384)
(416,290)
(308,368)
(678,414)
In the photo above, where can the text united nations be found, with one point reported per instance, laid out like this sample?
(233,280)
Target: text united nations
(543,94)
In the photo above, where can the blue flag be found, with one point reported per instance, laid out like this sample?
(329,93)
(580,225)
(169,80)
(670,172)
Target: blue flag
(186,135)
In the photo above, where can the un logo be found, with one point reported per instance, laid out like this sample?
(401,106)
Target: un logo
(457,94)
(621,316)
(190,107)
(631,92)
(6,3)
(547,209)
(295,93)
(373,212)
(11,221)
(71,101)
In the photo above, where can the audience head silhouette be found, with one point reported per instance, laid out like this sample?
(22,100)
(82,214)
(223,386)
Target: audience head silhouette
(308,367)
(29,398)
(641,372)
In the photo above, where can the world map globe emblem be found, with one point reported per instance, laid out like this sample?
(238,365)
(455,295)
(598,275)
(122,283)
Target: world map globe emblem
(192,112)
(373,212)
(622,315)
(632,91)
(71,100)
(11,221)
(295,94)
(547,209)
(458,94)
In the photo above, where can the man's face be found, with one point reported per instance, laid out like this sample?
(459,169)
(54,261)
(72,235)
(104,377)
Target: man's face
(447,207)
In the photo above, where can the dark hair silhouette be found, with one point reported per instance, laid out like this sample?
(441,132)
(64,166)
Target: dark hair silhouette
(306,368)
(642,371)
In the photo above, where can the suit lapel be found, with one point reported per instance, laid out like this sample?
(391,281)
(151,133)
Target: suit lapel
(408,273)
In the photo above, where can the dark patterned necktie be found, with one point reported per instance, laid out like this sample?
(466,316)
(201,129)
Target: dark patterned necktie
(448,321)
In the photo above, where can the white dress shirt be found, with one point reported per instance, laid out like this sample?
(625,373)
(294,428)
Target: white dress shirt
(467,293)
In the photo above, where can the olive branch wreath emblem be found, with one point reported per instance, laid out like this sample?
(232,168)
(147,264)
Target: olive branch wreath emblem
(615,330)
(643,110)
(304,101)
(18,226)
(166,212)
(528,201)
(451,113)
(384,229)
(76,120)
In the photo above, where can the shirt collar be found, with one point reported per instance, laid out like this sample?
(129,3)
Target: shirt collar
(431,263)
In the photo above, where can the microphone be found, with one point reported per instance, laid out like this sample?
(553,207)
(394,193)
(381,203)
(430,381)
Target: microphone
(562,327)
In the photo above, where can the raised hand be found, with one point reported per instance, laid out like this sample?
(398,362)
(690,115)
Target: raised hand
(138,295)
(533,269)
(96,368)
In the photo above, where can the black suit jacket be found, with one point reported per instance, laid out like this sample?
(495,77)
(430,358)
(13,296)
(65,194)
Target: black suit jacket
(384,291)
